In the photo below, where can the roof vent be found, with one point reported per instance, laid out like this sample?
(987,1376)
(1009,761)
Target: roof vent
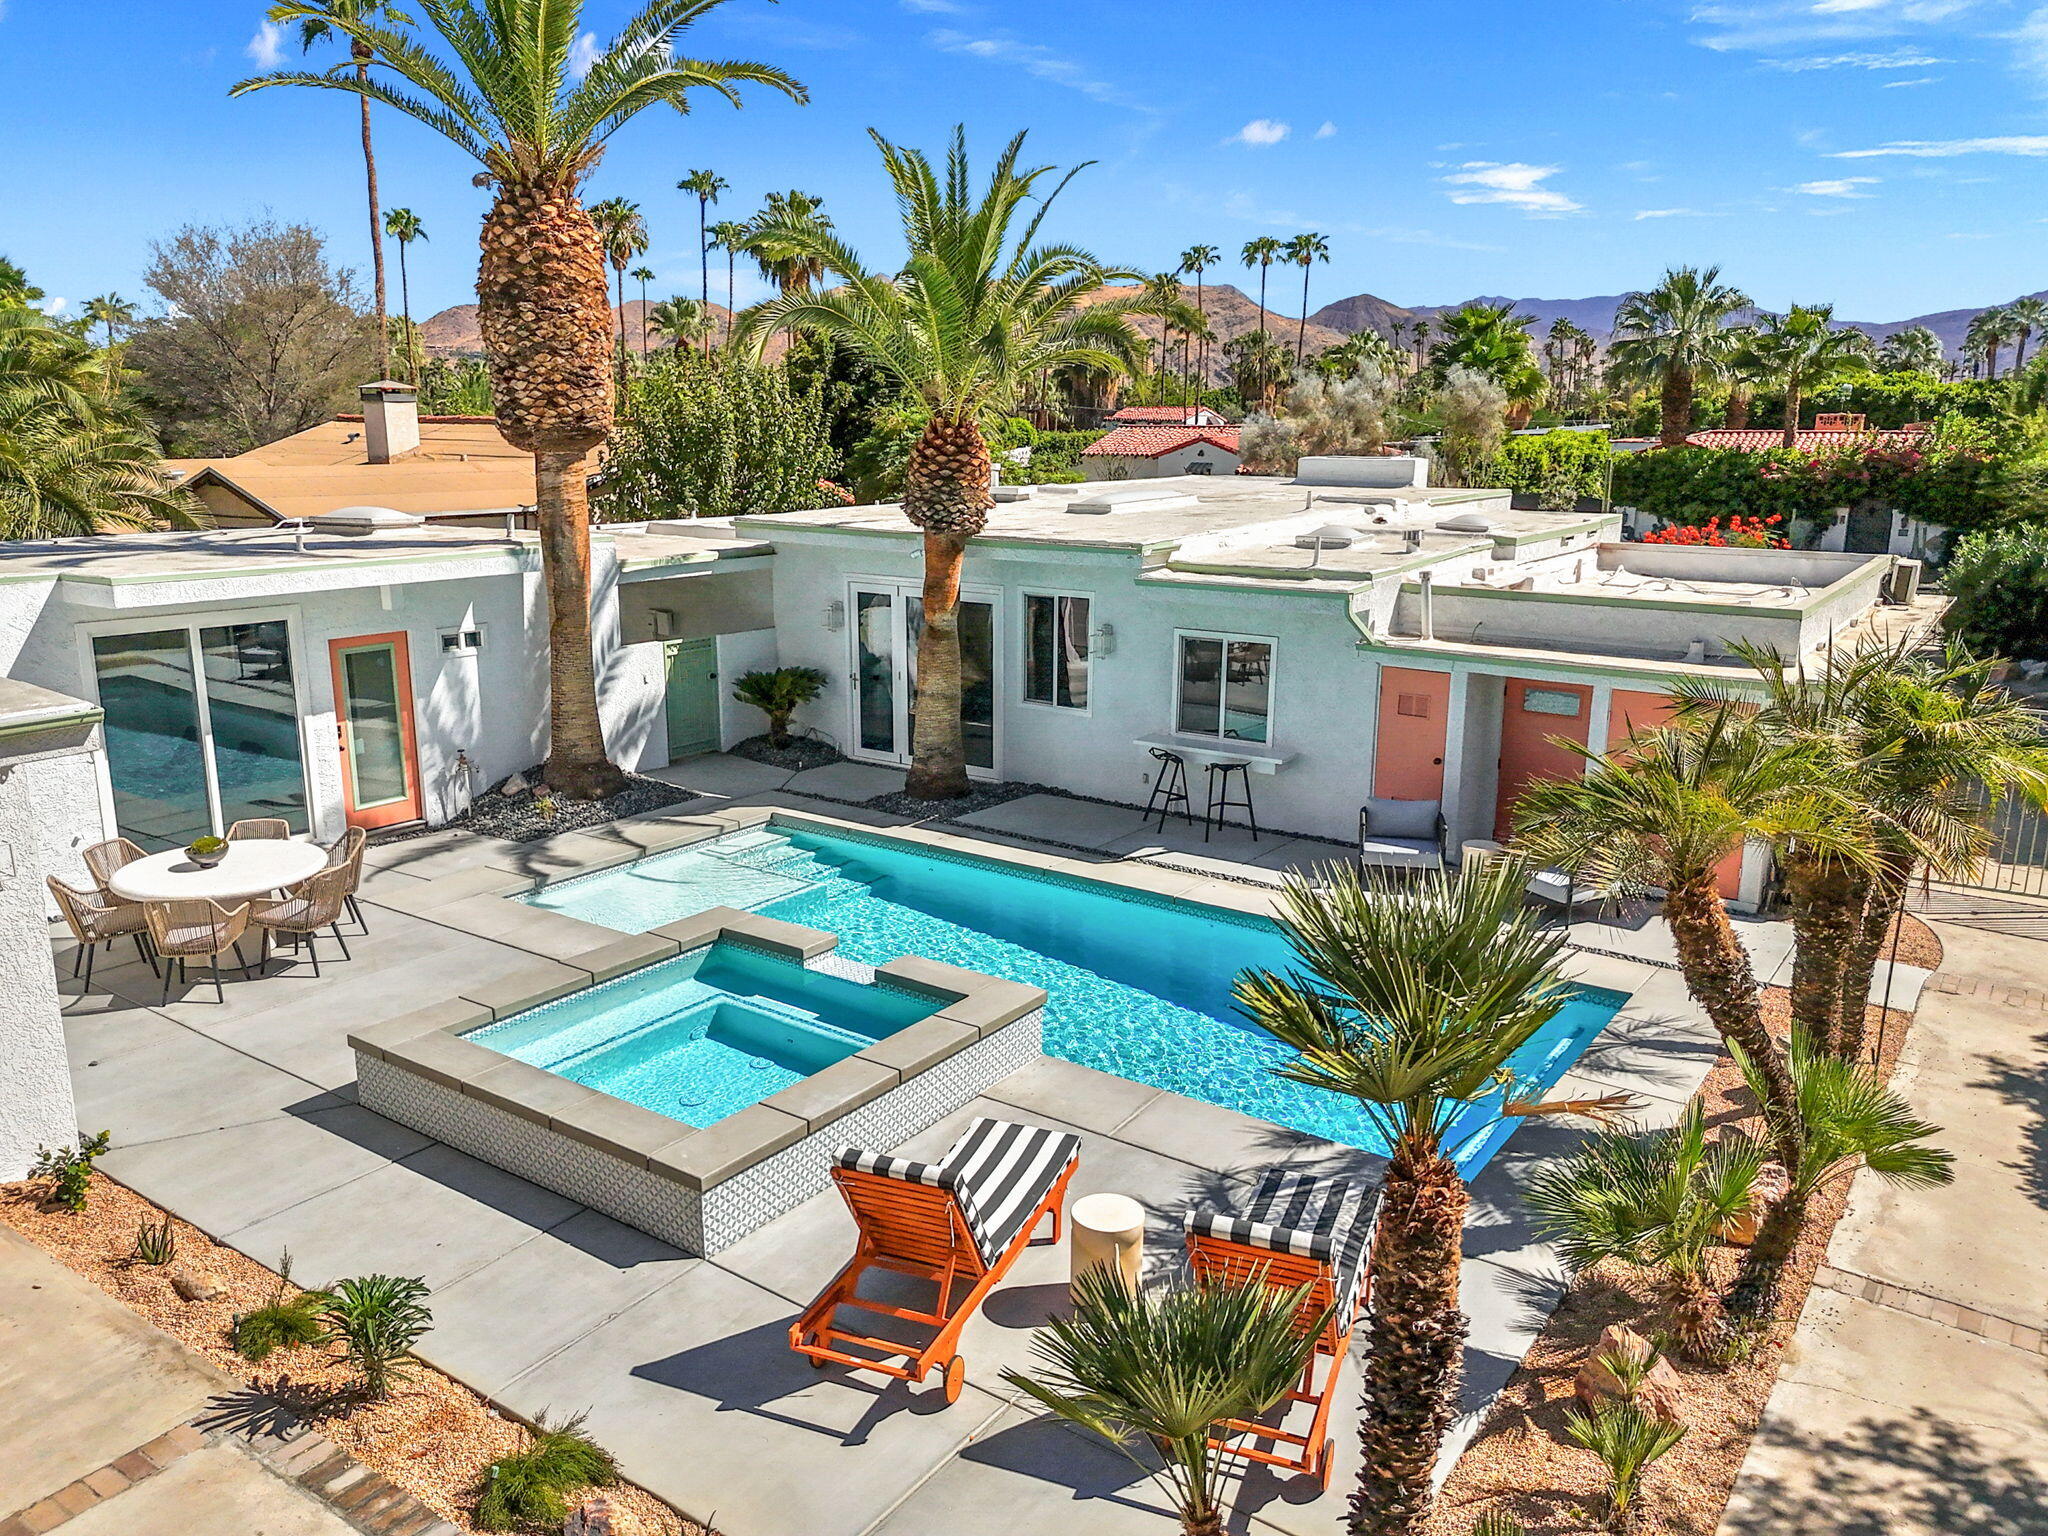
(359,522)
(1329,536)
(1467,522)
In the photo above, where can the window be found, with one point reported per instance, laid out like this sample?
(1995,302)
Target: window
(1056,650)
(1550,701)
(1225,687)
(466,640)
(1200,467)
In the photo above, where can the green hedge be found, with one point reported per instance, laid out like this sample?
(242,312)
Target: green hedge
(1999,580)
(1557,468)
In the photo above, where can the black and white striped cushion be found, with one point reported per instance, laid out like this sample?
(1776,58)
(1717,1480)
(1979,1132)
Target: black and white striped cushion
(1295,1212)
(1001,1171)
(905,1168)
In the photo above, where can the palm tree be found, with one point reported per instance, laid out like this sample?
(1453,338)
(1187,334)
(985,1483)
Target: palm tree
(2026,316)
(1422,329)
(109,310)
(623,233)
(1261,253)
(1198,259)
(1674,333)
(351,18)
(730,236)
(1169,1370)
(404,226)
(781,263)
(1916,349)
(682,321)
(705,187)
(1851,1120)
(1801,351)
(1305,251)
(1491,339)
(643,276)
(1259,365)
(1739,370)
(1411,1001)
(977,310)
(1984,336)
(16,291)
(506,93)
(1657,1199)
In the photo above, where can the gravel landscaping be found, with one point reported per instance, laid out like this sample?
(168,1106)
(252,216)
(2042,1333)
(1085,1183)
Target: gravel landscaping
(524,816)
(801,753)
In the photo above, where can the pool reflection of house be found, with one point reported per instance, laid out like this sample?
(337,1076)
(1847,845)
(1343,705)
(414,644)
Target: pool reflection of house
(1348,632)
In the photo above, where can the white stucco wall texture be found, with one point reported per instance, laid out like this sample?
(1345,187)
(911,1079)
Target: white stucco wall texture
(35,1081)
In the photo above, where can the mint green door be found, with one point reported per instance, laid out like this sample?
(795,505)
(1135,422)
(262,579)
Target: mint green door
(692,698)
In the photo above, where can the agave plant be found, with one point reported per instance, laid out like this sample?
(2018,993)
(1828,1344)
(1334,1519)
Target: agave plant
(1169,1369)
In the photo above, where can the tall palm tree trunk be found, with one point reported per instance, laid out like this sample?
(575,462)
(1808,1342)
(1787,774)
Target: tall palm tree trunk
(564,501)
(412,341)
(362,56)
(1417,1343)
(704,266)
(1676,406)
(1884,901)
(730,307)
(621,271)
(1262,295)
(1738,407)
(946,494)
(1301,330)
(1827,915)
(1755,1291)
(1791,414)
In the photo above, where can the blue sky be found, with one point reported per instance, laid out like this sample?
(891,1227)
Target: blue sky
(1889,155)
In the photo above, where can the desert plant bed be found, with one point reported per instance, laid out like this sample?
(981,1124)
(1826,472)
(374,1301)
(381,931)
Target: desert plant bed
(1522,1466)
(431,1435)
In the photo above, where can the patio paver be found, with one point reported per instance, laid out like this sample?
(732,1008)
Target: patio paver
(846,781)
(722,775)
(1056,819)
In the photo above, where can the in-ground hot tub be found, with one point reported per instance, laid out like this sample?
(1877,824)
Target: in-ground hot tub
(700,1096)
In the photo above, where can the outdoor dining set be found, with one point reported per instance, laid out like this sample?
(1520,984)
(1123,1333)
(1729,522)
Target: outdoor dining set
(178,908)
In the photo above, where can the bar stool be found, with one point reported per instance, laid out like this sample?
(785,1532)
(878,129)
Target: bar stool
(1220,798)
(1170,789)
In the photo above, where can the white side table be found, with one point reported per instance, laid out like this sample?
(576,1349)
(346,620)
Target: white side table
(1107,1230)
(1479,849)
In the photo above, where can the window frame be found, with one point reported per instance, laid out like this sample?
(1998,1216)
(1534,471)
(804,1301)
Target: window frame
(1057,597)
(1227,638)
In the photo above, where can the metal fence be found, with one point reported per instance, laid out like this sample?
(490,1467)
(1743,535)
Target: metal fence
(2017,860)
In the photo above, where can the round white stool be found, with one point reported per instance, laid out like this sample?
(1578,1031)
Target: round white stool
(1477,850)
(1107,1230)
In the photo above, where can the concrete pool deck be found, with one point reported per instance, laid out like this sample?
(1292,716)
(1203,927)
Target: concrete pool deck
(242,1118)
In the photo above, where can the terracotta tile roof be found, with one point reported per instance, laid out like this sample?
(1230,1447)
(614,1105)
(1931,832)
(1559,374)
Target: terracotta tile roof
(1178,415)
(1153,442)
(1756,439)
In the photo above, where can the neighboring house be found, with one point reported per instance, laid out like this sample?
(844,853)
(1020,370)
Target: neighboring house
(1348,632)
(1146,453)
(450,469)
(1860,530)
(1171,416)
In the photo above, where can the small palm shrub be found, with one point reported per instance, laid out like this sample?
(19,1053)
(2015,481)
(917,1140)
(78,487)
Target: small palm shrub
(1496,1523)
(779,694)
(1628,1442)
(533,1487)
(156,1242)
(69,1170)
(378,1319)
(286,1321)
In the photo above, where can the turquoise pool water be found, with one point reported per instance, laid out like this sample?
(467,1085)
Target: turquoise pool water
(1137,987)
(705,1034)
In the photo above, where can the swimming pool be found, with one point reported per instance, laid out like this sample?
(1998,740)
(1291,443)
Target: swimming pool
(1136,985)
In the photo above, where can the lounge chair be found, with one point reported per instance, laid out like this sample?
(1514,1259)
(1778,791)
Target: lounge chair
(959,1223)
(1298,1229)
(1401,834)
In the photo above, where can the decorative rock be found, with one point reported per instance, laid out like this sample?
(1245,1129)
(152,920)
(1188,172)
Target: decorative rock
(195,1284)
(1661,1392)
(513,787)
(1769,1189)
(595,1516)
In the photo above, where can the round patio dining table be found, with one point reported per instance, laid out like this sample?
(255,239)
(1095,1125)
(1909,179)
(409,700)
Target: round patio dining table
(251,867)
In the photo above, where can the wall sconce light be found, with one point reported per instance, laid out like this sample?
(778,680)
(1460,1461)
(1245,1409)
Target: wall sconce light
(835,616)
(664,620)
(1103,641)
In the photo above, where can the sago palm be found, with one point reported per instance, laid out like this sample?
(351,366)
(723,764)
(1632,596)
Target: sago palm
(1674,334)
(977,310)
(509,94)
(1410,1001)
(1168,1370)
(1657,1199)
(1852,1121)
(1802,351)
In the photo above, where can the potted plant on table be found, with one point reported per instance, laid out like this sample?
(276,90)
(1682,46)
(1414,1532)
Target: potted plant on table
(207,851)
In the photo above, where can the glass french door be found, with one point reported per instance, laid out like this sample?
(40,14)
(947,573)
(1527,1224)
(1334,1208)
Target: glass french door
(373,710)
(201,728)
(888,619)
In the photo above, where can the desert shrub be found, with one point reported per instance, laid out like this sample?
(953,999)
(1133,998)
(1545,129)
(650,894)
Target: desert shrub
(533,1487)
(68,1170)
(778,694)
(156,1242)
(283,1322)
(1999,580)
(378,1319)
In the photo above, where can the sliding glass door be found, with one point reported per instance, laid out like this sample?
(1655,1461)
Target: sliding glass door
(202,729)
(888,619)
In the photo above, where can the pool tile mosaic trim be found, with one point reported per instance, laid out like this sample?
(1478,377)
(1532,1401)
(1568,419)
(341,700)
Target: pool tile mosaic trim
(700,1189)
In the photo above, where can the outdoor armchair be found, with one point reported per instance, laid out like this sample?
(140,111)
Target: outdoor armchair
(96,918)
(1401,834)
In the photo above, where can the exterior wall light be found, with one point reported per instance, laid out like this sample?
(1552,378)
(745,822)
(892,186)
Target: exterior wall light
(1103,641)
(835,616)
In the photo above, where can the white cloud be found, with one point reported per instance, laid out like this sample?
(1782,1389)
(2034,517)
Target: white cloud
(1514,183)
(1037,61)
(1327,131)
(1260,130)
(1730,25)
(583,54)
(266,48)
(1843,186)
(1896,58)
(1900,85)
(2030,145)
(1670,213)
(52,305)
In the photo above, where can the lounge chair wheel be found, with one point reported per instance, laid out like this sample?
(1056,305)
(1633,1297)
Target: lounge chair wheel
(1325,1462)
(818,1362)
(956,1376)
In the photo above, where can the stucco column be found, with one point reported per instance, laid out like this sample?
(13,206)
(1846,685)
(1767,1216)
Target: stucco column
(1598,718)
(43,742)
(1455,735)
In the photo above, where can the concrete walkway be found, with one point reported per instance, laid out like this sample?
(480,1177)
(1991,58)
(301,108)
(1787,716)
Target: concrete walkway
(1914,1399)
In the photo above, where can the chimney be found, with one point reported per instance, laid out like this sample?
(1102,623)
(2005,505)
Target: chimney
(391,420)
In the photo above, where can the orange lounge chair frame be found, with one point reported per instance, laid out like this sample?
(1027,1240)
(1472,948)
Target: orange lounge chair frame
(1219,1259)
(917,1230)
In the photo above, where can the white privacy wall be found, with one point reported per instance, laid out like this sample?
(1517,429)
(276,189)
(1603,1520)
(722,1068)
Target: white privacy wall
(35,1083)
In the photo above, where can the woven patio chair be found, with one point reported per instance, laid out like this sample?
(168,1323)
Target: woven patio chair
(272,828)
(196,930)
(97,918)
(103,859)
(348,850)
(305,909)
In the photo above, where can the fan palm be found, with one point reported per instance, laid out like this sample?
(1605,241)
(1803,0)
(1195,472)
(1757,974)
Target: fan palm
(1261,252)
(1802,351)
(1411,1002)
(643,276)
(1985,334)
(1259,365)
(623,232)
(730,236)
(2027,317)
(789,267)
(108,311)
(1629,1441)
(705,187)
(1491,339)
(1199,259)
(1169,1369)
(509,95)
(1305,251)
(682,321)
(1675,334)
(1656,1199)
(404,226)
(978,309)
(1916,349)
(318,22)
(1852,1121)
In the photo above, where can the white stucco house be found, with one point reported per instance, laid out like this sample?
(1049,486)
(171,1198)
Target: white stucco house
(1148,452)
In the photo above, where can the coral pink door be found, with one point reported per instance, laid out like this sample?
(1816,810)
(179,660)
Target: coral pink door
(1408,760)
(1629,712)
(380,776)
(1531,715)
